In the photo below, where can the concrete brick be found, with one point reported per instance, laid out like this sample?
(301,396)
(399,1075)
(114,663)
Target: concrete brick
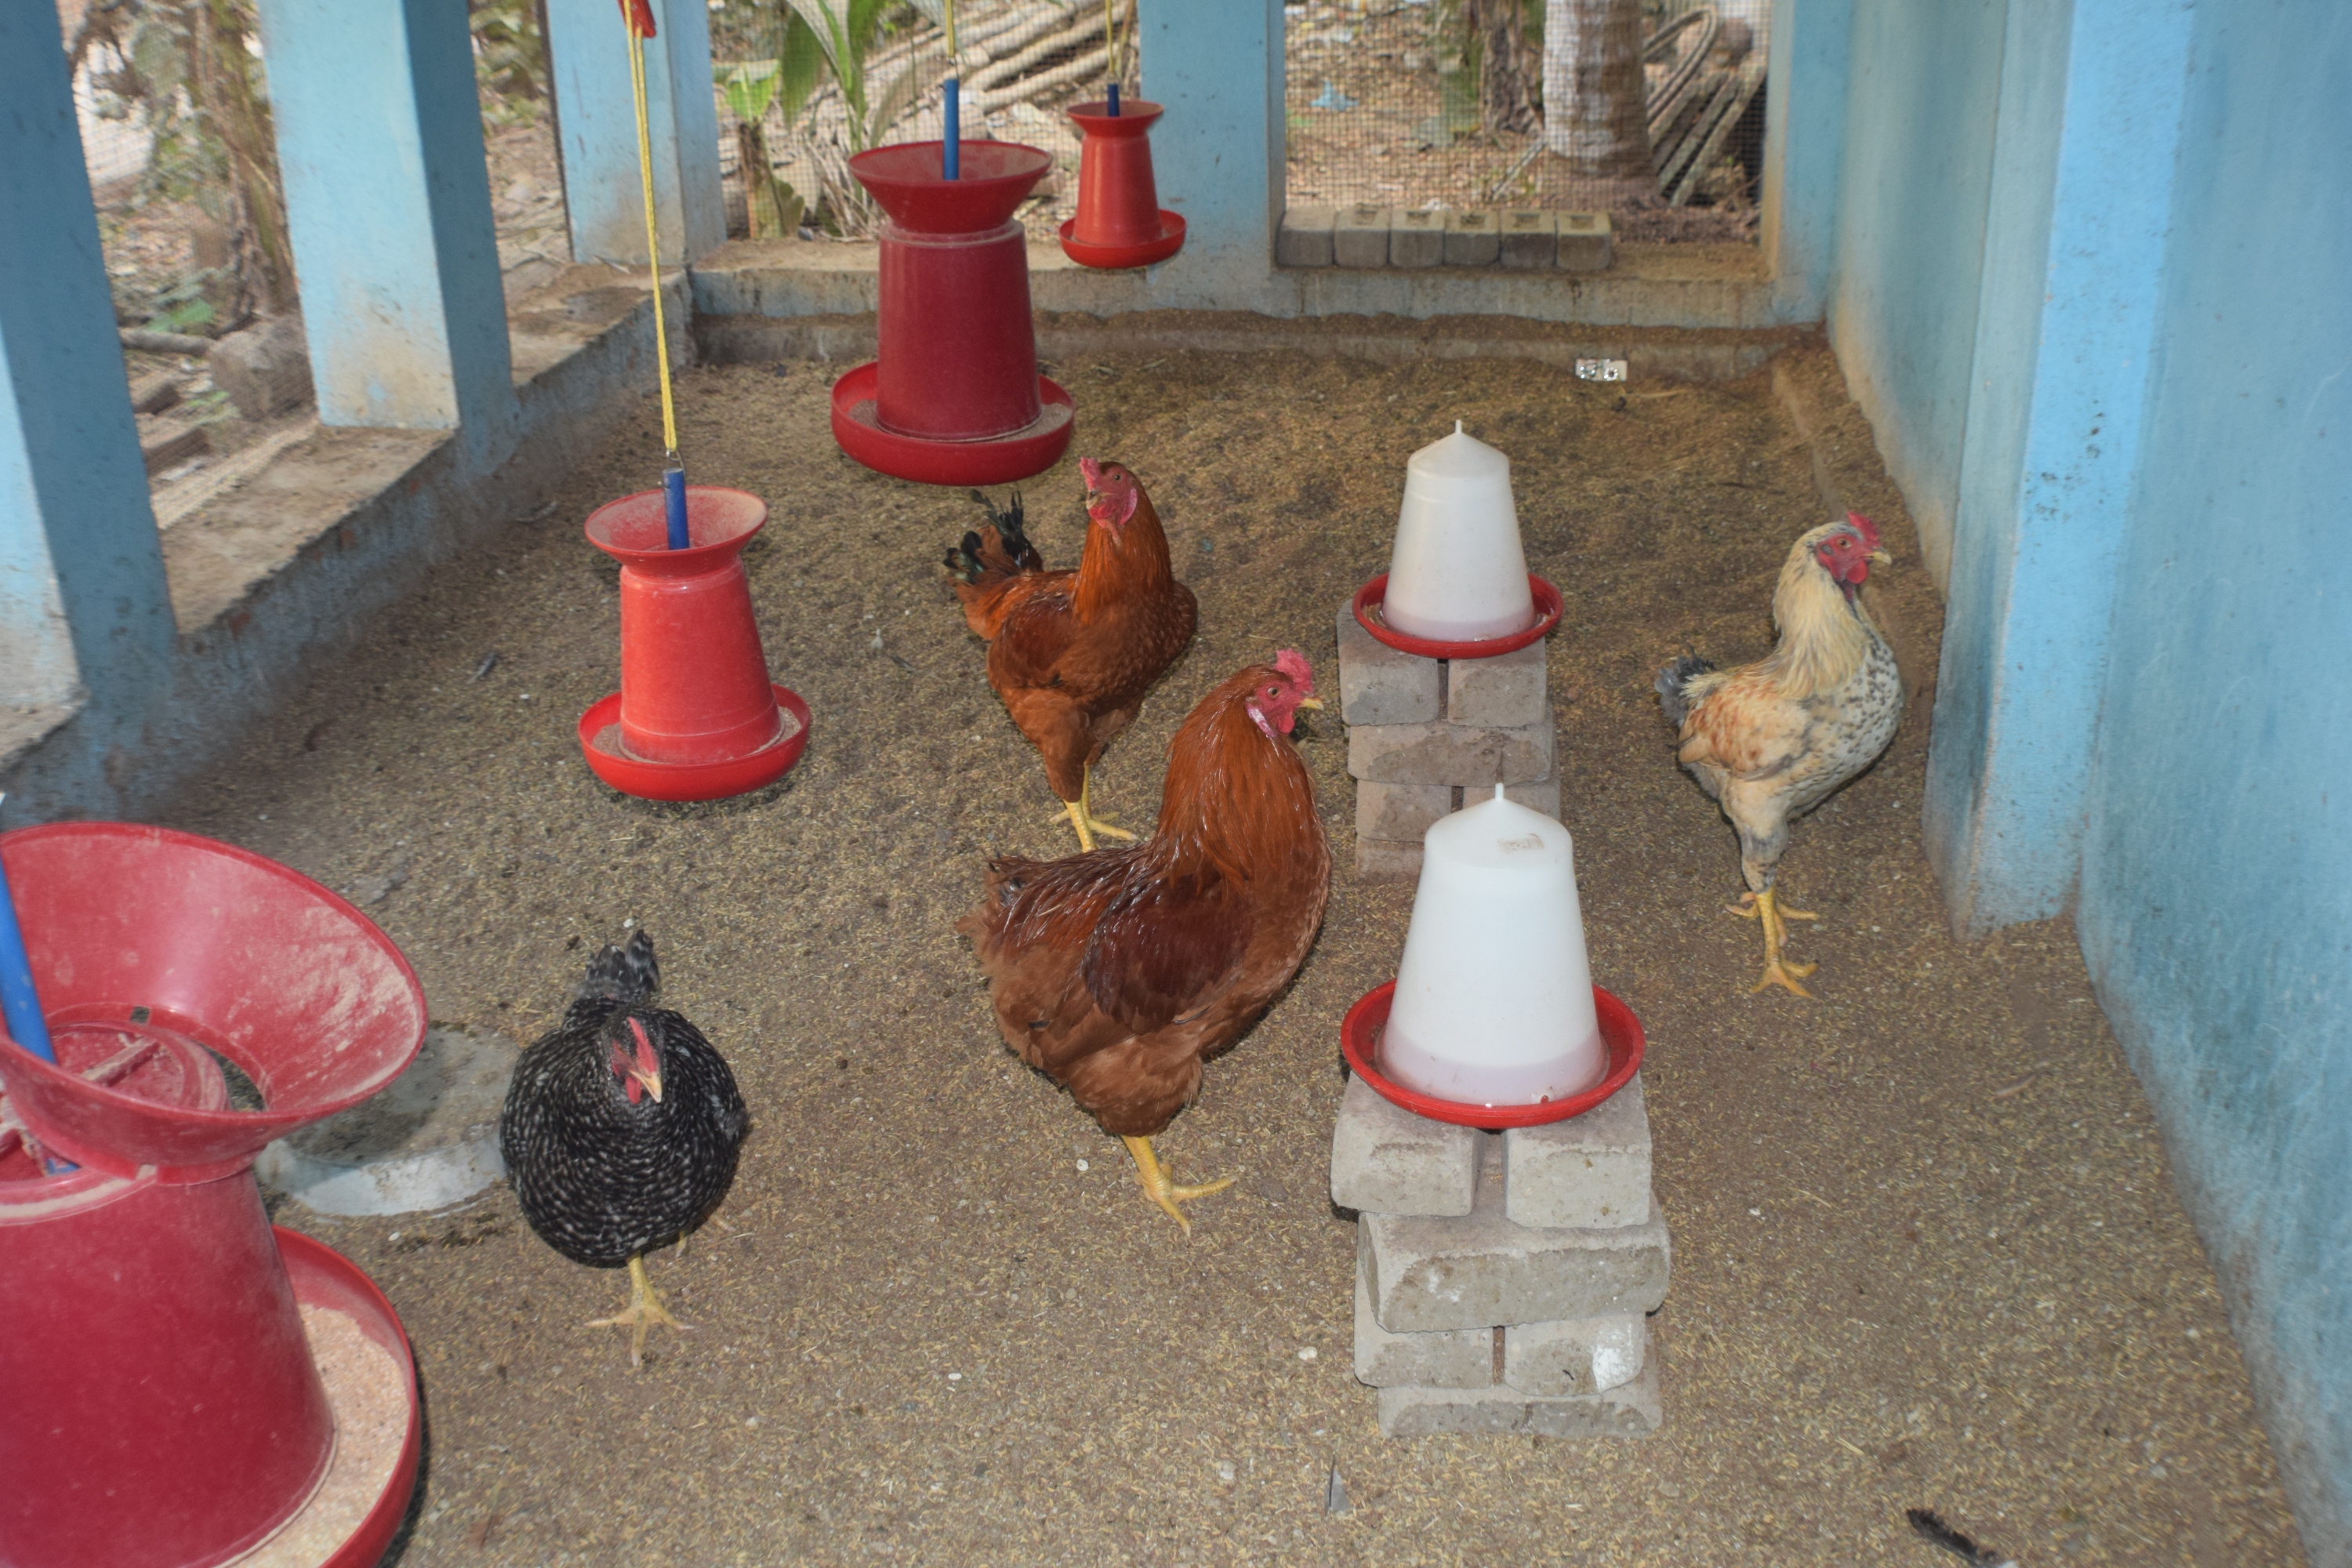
(1400,813)
(1377,685)
(1360,236)
(1416,237)
(1506,689)
(1587,243)
(1528,238)
(1472,239)
(1541,795)
(1386,1160)
(1591,1171)
(1582,1356)
(1481,1269)
(1450,1358)
(1450,754)
(1305,237)
(1385,861)
(1632,1411)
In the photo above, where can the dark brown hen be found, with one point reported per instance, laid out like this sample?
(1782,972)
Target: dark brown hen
(1119,972)
(620,1128)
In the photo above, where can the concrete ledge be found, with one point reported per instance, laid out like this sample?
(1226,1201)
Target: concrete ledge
(285,570)
(1703,288)
(1632,1411)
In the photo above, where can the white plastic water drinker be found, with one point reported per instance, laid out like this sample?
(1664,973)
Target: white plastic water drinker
(1458,573)
(1494,994)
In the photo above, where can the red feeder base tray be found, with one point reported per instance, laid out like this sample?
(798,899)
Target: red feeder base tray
(599,742)
(1375,594)
(1620,1037)
(321,1277)
(1115,258)
(998,461)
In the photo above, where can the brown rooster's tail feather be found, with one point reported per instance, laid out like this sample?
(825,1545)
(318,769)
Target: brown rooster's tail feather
(988,556)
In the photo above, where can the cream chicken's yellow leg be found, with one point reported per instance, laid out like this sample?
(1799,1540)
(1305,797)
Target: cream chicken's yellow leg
(1160,1188)
(1079,813)
(644,1310)
(1763,908)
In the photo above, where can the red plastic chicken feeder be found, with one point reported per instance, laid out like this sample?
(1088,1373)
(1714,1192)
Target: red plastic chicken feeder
(165,1410)
(952,397)
(696,717)
(1119,221)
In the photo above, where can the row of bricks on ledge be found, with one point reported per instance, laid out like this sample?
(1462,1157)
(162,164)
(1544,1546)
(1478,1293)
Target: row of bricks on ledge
(1424,733)
(1504,1280)
(1410,237)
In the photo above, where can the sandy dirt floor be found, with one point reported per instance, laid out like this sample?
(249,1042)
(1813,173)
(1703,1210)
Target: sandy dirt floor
(939,1324)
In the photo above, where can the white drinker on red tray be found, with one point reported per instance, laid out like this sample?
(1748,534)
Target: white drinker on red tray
(1458,573)
(1494,995)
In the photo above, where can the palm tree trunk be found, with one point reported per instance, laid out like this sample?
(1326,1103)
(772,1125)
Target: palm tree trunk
(1507,100)
(1595,112)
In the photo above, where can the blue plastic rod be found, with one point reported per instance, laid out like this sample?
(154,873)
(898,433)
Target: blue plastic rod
(674,494)
(20,1002)
(1114,100)
(951,149)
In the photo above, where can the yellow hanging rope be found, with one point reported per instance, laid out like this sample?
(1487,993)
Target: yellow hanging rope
(653,236)
(951,46)
(1110,39)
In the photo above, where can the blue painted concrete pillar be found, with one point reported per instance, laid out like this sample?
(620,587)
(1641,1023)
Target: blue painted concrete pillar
(1217,157)
(84,606)
(588,58)
(388,206)
(2084,158)
(1810,51)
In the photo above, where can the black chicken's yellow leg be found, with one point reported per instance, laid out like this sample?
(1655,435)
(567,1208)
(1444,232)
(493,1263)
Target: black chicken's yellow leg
(1762,908)
(644,1310)
(1160,1188)
(1079,813)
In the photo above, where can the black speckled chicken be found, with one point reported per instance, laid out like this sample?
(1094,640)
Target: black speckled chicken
(621,1129)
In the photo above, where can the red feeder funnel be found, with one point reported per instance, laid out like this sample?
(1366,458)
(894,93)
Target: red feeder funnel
(696,717)
(953,396)
(1119,221)
(165,1409)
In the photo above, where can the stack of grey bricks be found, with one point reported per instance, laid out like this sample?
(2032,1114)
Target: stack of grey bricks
(1369,236)
(1426,736)
(1503,1280)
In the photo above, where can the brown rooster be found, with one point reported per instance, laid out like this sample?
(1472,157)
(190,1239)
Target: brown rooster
(1118,971)
(1072,653)
(1772,740)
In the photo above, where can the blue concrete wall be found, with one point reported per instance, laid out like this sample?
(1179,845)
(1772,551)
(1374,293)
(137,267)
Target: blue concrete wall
(2216,903)
(2082,197)
(1924,86)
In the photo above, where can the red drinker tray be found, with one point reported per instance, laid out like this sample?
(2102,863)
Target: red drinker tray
(1359,1040)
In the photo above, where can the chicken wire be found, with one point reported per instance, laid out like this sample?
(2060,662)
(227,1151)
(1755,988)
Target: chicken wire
(1384,106)
(1023,62)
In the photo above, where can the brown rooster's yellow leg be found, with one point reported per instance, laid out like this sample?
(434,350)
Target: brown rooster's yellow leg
(644,1310)
(1762,908)
(1079,813)
(1161,1188)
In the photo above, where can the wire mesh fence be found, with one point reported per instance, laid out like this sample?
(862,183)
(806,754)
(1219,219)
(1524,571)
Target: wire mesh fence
(806,85)
(1441,104)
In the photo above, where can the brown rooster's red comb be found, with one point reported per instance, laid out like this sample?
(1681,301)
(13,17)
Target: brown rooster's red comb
(1091,472)
(1293,668)
(1864,526)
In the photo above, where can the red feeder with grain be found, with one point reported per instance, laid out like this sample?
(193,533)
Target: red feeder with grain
(166,1406)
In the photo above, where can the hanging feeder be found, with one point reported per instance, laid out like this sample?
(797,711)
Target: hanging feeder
(952,396)
(1119,221)
(166,1411)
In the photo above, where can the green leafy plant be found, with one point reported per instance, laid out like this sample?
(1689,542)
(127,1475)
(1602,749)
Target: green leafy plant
(774,208)
(510,59)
